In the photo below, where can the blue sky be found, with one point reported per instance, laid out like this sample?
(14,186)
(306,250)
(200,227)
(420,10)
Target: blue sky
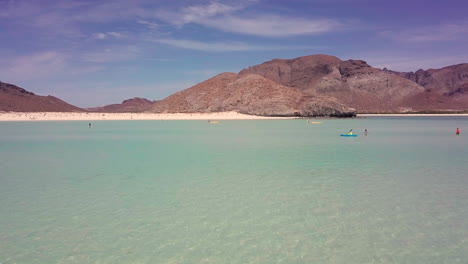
(92,53)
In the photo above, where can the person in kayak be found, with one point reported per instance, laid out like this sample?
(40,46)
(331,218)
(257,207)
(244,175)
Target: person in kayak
(350,132)
(458,131)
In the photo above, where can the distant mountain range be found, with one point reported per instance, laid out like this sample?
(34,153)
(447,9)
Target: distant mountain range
(316,85)
(134,105)
(444,89)
(367,89)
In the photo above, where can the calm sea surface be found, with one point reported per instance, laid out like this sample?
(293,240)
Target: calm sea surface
(273,191)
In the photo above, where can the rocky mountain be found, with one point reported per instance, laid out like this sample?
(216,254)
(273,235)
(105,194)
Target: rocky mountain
(14,98)
(316,85)
(353,83)
(250,94)
(324,85)
(445,88)
(134,105)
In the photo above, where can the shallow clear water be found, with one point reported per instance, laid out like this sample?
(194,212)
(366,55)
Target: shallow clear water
(282,191)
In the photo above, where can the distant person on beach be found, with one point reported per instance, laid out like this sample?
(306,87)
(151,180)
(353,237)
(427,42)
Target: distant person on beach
(350,132)
(458,131)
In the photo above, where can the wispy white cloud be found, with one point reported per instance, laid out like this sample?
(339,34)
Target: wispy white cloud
(33,66)
(271,25)
(100,35)
(14,8)
(224,46)
(223,17)
(43,65)
(195,13)
(73,11)
(438,33)
(45,18)
(158,59)
(107,11)
(148,24)
(60,18)
(116,34)
(86,70)
(112,54)
(56,19)
(107,35)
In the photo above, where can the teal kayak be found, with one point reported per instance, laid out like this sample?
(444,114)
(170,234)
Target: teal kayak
(348,135)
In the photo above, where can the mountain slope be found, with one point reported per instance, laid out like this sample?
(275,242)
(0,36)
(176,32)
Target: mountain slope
(353,82)
(134,105)
(14,98)
(250,94)
(445,88)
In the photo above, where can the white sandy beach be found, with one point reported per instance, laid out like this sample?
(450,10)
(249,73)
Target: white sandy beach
(67,116)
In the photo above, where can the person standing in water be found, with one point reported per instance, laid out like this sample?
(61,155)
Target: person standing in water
(458,131)
(89,125)
(365,131)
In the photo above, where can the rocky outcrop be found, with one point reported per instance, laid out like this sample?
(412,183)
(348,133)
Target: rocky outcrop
(134,105)
(203,97)
(250,94)
(326,85)
(353,82)
(14,98)
(442,81)
(302,73)
(444,89)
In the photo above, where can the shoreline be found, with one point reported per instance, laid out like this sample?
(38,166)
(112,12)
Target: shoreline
(85,116)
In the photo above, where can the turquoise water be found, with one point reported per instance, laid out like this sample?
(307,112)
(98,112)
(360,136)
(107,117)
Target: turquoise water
(273,191)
